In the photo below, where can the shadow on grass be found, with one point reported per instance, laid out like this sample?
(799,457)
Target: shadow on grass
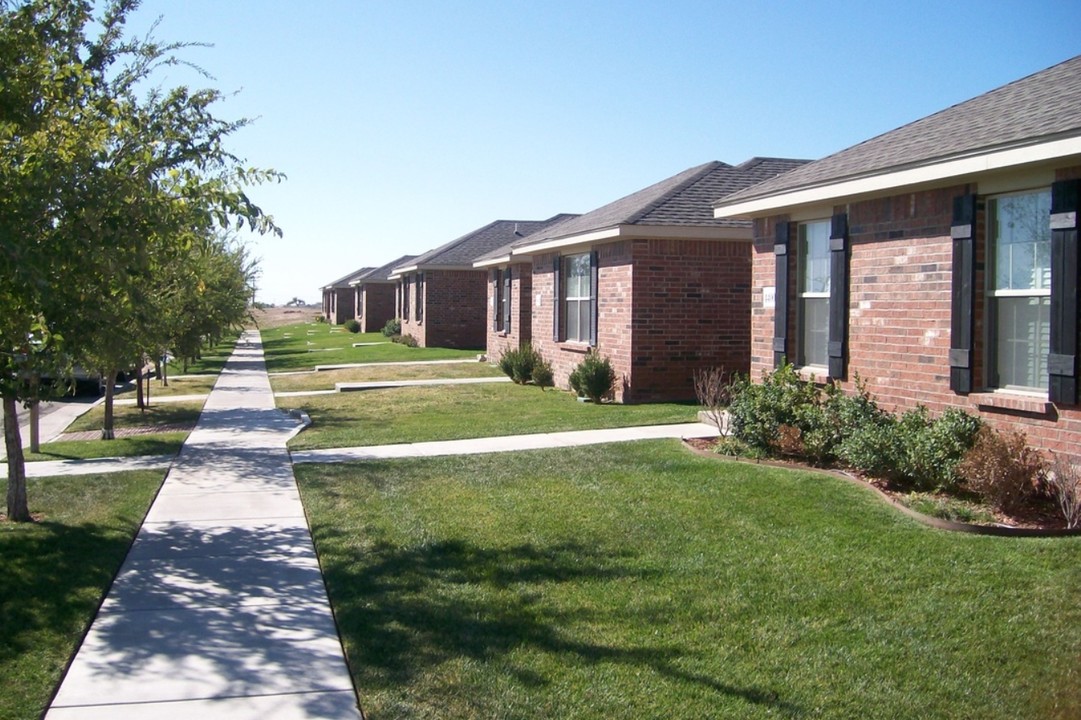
(54,575)
(408,610)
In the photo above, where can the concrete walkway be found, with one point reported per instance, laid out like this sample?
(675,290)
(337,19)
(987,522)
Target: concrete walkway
(508,443)
(55,418)
(219,610)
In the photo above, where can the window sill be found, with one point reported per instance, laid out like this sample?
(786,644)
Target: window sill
(1012,402)
(574,347)
(819,374)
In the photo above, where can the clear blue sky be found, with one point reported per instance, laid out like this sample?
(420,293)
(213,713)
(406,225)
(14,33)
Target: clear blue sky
(403,124)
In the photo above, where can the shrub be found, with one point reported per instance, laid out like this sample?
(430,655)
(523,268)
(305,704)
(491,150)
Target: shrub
(542,375)
(392,328)
(758,410)
(1001,468)
(713,389)
(321,319)
(872,448)
(351,325)
(593,377)
(1064,486)
(407,340)
(518,363)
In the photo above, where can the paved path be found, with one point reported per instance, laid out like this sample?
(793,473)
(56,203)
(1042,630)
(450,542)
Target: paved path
(219,610)
(508,443)
(55,417)
(385,384)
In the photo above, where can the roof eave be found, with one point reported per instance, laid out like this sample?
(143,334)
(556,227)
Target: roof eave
(634,232)
(895,178)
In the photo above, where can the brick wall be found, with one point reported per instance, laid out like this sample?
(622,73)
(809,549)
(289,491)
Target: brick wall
(376,305)
(899,315)
(665,308)
(521,310)
(341,305)
(454,314)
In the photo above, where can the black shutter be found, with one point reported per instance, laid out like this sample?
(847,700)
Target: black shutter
(419,310)
(1062,358)
(557,296)
(495,300)
(838,328)
(780,310)
(963,289)
(506,298)
(594,273)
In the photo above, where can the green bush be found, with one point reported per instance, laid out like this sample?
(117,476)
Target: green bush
(351,325)
(1002,469)
(593,377)
(914,450)
(392,328)
(518,363)
(407,340)
(542,375)
(773,416)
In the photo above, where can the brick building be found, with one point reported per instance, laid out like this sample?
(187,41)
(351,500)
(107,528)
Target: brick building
(652,281)
(441,296)
(339,298)
(374,296)
(938,261)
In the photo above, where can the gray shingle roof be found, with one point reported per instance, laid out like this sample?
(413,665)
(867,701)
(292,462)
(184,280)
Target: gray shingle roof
(462,251)
(685,199)
(1036,108)
(380,273)
(343,282)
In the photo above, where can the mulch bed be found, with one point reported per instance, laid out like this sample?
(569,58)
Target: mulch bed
(1034,519)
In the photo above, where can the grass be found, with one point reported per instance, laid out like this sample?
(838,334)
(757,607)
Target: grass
(415,414)
(640,580)
(154,444)
(129,416)
(186,385)
(325,380)
(331,345)
(55,572)
(212,361)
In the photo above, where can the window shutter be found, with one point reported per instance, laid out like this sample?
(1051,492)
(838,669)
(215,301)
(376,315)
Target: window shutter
(838,320)
(419,311)
(1062,358)
(557,298)
(963,288)
(495,299)
(780,310)
(594,273)
(506,298)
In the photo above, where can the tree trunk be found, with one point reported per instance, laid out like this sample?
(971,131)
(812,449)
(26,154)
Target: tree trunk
(139,401)
(35,426)
(107,425)
(18,509)
(157,368)
(165,372)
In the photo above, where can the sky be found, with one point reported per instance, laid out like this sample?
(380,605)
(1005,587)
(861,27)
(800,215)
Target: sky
(403,124)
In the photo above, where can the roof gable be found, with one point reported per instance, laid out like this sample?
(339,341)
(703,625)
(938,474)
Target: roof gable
(1036,108)
(343,282)
(462,251)
(381,273)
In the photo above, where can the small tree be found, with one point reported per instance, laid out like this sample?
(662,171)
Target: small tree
(714,391)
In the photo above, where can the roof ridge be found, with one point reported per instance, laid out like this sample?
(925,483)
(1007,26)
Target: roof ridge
(705,169)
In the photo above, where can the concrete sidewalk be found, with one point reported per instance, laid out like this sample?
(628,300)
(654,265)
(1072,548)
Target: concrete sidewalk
(219,610)
(55,418)
(507,443)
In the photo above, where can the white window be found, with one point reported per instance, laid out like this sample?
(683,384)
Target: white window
(813,289)
(1019,289)
(576,297)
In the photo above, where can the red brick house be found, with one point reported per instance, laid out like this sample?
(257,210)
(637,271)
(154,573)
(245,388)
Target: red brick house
(938,261)
(374,296)
(441,296)
(652,281)
(338,298)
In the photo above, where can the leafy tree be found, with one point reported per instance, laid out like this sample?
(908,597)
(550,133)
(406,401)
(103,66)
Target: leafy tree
(101,190)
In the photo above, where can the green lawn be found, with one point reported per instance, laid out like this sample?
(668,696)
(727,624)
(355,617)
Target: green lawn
(331,345)
(152,444)
(325,380)
(641,580)
(186,385)
(55,572)
(212,361)
(129,416)
(414,414)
